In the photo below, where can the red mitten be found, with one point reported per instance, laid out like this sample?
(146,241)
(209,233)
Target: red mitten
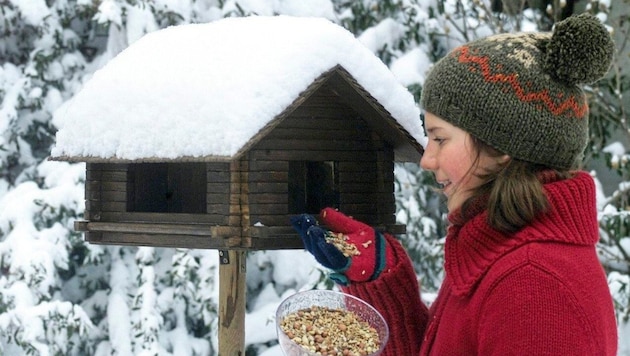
(365,247)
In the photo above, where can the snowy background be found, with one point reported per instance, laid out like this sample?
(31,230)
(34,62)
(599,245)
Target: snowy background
(62,296)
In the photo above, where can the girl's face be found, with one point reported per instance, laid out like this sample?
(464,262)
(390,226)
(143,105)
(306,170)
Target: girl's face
(454,161)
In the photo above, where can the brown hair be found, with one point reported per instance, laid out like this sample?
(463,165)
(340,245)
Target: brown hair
(513,193)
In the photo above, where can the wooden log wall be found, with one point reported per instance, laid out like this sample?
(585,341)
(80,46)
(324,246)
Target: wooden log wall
(323,129)
(109,189)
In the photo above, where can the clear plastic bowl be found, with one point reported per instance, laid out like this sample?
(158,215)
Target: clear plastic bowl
(330,299)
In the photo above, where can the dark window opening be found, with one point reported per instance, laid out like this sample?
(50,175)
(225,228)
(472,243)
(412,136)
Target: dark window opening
(167,188)
(313,186)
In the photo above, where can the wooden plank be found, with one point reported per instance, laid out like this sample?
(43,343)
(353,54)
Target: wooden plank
(307,143)
(319,125)
(234,199)
(170,235)
(232,298)
(113,206)
(322,112)
(110,195)
(218,177)
(268,198)
(93,175)
(271,176)
(158,240)
(325,97)
(92,194)
(113,176)
(80,225)
(218,166)
(265,166)
(217,198)
(275,242)
(269,187)
(222,187)
(312,155)
(159,218)
(218,209)
(273,209)
(280,231)
(235,210)
(273,220)
(303,122)
(226,231)
(234,219)
(317,133)
(107,186)
(240,178)
(108,166)
(93,206)
(149,228)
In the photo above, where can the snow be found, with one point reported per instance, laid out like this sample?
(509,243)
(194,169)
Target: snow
(108,10)
(34,11)
(203,90)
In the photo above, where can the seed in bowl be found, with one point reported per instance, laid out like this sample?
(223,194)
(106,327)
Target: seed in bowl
(330,332)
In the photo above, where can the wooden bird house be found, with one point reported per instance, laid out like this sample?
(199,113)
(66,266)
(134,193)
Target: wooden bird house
(332,143)
(204,146)
(335,145)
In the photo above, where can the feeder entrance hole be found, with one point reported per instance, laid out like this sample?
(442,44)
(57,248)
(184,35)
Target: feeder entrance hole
(167,188)
(313,185)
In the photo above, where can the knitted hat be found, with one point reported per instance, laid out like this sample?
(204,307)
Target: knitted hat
(520,93)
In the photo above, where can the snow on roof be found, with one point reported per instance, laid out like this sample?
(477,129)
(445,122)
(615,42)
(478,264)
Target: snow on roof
(205,90)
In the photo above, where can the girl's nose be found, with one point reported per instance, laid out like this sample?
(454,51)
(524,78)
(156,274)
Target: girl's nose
(428,162)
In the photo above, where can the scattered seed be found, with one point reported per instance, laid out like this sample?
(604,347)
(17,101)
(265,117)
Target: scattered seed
(341,242)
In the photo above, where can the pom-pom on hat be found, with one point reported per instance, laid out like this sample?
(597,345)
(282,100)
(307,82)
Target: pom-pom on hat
(521,93)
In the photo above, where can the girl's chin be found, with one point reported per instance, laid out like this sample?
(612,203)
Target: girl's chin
(452,207)
(453,202)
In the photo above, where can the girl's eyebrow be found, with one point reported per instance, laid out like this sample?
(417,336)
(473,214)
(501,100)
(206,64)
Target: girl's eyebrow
(433,129)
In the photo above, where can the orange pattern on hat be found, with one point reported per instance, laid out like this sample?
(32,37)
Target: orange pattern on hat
(566,106)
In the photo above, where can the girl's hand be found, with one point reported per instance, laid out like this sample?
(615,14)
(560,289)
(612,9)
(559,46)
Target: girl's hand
(353,250)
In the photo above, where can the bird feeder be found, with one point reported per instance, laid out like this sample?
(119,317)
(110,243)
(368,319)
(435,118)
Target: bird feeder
(265,118)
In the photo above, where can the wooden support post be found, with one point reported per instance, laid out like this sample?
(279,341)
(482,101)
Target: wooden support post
(232,288)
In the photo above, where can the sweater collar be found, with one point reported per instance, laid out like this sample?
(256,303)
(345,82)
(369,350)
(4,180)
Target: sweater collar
(472,246)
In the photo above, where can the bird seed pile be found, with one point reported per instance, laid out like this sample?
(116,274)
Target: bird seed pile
(330,332)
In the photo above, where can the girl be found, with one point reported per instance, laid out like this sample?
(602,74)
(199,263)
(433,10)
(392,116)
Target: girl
(507,123)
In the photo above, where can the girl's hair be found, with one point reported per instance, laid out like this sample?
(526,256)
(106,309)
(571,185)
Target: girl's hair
(513,192)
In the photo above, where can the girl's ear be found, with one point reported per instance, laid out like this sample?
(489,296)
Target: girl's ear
(502,159)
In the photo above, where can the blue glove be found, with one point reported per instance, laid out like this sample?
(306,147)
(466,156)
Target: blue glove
(314,239)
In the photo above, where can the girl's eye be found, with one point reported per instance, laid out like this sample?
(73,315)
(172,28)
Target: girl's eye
(438,140)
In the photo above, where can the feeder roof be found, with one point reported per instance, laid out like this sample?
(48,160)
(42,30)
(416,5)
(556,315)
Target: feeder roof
(203,91)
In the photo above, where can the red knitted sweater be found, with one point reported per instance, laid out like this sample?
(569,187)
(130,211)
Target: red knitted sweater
(541,291)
